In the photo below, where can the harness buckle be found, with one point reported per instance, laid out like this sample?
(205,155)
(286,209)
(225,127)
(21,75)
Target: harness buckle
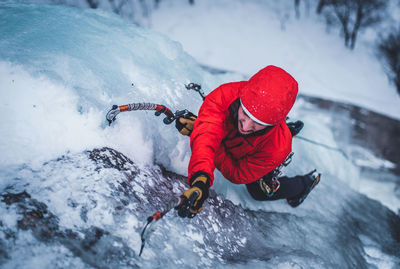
(269,183)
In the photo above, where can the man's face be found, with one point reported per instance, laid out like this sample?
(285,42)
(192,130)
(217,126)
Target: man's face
(246,125)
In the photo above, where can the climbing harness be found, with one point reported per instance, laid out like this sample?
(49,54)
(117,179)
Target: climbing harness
(269,183)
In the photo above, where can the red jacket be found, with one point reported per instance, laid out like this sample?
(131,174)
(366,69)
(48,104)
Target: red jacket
(215,141)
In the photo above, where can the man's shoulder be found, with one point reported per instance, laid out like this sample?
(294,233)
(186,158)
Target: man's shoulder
(225,94)
(235,84)
(230,86)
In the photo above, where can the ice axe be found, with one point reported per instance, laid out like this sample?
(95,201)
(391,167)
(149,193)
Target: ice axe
(159,214)
(169,115)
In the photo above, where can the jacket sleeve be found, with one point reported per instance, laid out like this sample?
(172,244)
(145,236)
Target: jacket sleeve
(209,130)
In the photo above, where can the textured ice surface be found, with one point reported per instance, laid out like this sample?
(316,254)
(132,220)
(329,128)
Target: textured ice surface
(88,209)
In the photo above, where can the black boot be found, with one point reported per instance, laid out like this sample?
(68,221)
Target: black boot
(295,127)
(311,180)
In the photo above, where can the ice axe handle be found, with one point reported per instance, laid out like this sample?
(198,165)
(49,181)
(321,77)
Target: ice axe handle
(192,199)
(177,114)
(167,120)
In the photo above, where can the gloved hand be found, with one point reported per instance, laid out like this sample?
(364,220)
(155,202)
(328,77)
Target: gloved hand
(185,124)
(193,204)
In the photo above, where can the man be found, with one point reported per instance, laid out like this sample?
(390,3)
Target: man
(241,131)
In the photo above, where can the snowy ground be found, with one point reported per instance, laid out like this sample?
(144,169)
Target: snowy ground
(244,36)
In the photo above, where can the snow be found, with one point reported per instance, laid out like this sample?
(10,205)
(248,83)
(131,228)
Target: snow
(56,91)
(40,118)
(244,36)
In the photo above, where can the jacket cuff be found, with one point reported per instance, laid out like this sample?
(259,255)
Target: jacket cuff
(198,174)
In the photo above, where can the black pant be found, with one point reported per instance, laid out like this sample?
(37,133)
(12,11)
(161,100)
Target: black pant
(291,188)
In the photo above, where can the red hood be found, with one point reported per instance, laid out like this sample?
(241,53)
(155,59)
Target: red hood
(269,95)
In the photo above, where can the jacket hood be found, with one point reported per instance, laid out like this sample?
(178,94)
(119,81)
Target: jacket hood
(269,95)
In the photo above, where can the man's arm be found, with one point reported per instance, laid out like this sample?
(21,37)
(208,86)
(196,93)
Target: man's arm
(209,128)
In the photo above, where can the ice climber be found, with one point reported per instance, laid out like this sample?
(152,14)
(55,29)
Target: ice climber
(241,131)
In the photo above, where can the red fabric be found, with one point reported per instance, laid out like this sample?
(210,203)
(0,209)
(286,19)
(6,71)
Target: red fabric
(243,160)
(215,141)
(270,94)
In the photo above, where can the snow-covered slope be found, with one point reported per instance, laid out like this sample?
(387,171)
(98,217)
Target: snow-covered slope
(87,210)
(244,36)
(57,82)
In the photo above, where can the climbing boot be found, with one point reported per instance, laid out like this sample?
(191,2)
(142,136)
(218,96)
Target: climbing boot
(313,179)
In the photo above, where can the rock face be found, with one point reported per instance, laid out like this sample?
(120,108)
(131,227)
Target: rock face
(87,211)
(96,247)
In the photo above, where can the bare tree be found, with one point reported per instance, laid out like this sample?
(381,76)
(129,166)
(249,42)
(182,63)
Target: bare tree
(93,3)
(118,5)
(321,5)
(389,49)
(297,8)
(352,15)
(305,4)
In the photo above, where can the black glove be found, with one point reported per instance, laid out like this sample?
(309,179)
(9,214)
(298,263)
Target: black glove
(193,204)
(185,124)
